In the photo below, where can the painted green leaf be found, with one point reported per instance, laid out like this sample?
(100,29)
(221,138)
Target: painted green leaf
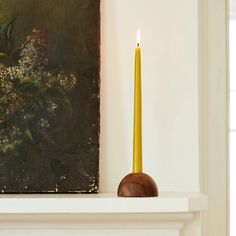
(6,30)
(40,102)
(28,87)
(9,148)
(26,80)
(9,31)
(28,134)
(56,90)
(59,95)
(2,54)
(29,116)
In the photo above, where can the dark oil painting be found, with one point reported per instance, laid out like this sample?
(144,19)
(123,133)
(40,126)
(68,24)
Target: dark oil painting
(49,96)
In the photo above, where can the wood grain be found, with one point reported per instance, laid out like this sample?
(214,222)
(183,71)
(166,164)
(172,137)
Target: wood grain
(137,185)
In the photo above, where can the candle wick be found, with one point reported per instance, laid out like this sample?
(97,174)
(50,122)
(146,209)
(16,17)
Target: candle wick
(138,44)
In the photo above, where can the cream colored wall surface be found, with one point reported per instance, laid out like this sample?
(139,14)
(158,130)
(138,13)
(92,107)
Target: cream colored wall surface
(90,232)
(170,109)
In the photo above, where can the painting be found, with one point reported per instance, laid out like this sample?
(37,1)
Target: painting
(49,96)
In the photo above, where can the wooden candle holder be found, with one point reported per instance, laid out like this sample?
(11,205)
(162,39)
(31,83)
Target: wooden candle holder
(137,185)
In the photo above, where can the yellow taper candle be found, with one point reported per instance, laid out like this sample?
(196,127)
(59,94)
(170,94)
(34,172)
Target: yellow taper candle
(137,132)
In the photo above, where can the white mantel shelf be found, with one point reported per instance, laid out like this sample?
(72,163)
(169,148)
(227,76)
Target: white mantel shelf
(102,203)
(170,213)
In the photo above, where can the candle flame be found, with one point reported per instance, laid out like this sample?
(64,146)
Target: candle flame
(138,37)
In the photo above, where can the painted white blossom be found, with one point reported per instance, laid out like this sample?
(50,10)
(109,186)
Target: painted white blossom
(32,65)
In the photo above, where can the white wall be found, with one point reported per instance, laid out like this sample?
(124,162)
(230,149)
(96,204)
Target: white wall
(170,103)
(90,232)
(232,174)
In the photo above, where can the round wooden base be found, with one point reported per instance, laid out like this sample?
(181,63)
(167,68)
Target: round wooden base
(137,185)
